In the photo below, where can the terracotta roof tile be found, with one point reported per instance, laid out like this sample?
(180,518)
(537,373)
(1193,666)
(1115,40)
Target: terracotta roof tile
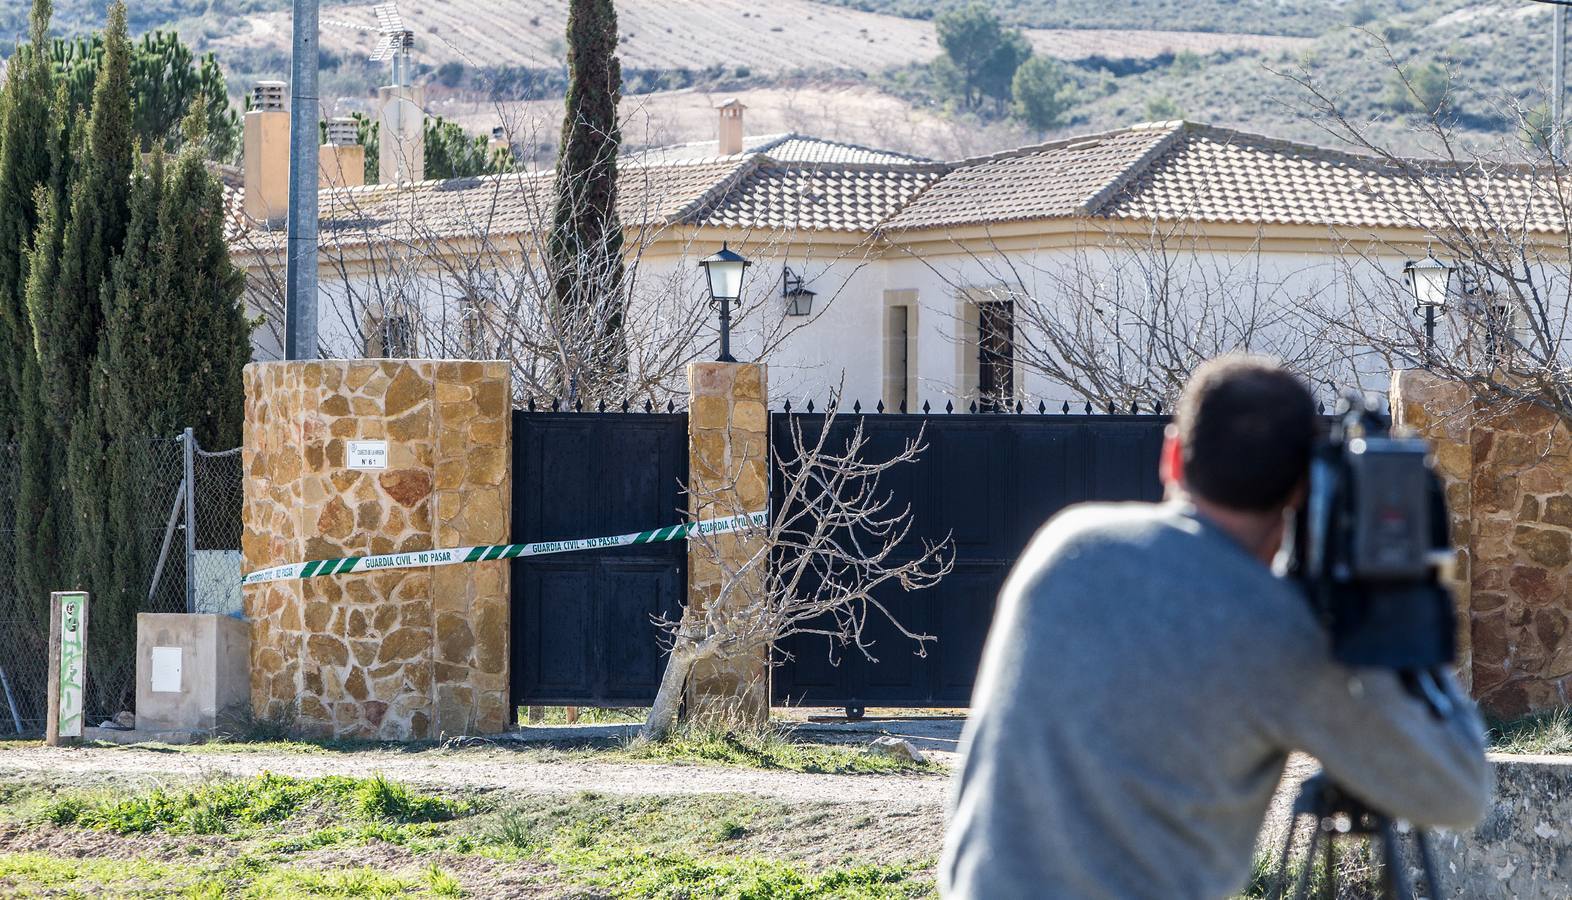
(777,195)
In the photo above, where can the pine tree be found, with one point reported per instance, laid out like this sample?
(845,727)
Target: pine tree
(585,245)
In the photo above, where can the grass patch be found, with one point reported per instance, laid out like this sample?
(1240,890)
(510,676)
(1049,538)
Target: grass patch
(588,715)
(635,872)
(1548,732)
(769,749)
(222,807)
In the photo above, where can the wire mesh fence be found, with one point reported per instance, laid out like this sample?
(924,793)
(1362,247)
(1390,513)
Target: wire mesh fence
(180,553)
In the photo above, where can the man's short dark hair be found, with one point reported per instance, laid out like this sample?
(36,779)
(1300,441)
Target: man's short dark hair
(1246,428)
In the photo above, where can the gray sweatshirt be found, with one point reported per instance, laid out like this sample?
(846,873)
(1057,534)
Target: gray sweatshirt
(1142,686)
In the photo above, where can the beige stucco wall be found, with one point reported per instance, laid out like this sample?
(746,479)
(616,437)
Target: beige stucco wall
(397,654)
(214,683)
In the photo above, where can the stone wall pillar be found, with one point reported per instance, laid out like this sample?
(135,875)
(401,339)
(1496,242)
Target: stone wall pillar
(1508,469)
(398,654)
(1442,412)
(728,474)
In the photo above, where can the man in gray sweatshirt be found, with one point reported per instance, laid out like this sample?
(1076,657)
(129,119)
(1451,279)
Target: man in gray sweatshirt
(1147,676)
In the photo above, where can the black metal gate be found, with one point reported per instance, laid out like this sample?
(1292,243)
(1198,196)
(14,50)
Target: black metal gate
(581,623)
(989,481)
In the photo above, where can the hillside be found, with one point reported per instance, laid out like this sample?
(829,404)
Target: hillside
(1211,60)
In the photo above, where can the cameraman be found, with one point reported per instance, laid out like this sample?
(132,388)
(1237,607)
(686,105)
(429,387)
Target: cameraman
(1147,676)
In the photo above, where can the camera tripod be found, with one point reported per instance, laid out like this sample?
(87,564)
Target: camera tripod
(1337,813)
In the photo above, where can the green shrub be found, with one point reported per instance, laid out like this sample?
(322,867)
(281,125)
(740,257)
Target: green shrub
(378,798)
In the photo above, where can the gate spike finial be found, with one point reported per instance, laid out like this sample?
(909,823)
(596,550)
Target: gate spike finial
(1135,408)
(1159,407)
(903,406)
(949,407)
(810,406)
(1042,407)
(788,406)
(624,404)
(1018,407)
(601,406)
(531,402)
(880,407)
(671,407)
(925,408)
(1066,408)
(556,404)
(578,405)
(1111,408)
(974,407)
(1088,407)
(857,407)
(648,406)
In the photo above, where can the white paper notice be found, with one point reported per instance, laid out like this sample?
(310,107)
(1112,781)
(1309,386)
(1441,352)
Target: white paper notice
(166,670)
(367,455)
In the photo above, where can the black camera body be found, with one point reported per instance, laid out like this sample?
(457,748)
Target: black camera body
(1368,543)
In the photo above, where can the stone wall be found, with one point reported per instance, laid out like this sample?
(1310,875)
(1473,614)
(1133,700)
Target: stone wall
(1509,488)
(728,474)
(399,654)
(1520,850)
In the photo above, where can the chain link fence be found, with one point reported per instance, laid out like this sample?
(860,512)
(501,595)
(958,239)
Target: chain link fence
(183,555)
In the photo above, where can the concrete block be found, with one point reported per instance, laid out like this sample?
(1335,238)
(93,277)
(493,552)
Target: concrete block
(193,672)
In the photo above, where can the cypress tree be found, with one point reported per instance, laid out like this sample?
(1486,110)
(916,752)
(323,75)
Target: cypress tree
(24,166)
(585,244)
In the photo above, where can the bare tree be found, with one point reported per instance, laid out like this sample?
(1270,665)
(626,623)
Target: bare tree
(832,558)
(1124,316)
(469,278)
(1495,210)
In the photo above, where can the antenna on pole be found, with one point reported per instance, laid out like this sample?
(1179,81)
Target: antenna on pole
(398,40)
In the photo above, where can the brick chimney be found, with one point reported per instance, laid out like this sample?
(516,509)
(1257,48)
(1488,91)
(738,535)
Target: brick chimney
(342,161)
(401,150)
(730,134)
(267,153)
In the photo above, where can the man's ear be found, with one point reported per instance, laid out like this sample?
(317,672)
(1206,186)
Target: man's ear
(1170,465)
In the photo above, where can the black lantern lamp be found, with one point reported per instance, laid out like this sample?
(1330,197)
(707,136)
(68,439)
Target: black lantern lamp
(1429,280)
(724,271)
(799,300)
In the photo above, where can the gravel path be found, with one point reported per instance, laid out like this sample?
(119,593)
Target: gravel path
(482,769)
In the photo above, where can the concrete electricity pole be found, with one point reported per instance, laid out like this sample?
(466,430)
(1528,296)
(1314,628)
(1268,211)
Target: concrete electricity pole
(300,292)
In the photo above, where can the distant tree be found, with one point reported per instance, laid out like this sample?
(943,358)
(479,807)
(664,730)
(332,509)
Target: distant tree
(980,54)
(451,152)
(1162,108)
(1041,92)
(166,80)
(1419,89)
(585,243)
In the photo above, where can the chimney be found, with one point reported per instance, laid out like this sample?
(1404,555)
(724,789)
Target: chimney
(341,161)
(267,154)
(730,133)
(401,151)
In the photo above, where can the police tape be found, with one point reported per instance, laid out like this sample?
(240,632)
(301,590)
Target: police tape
(456,555)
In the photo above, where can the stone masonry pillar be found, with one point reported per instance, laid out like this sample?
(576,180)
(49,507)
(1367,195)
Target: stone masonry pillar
(398,654)
(728,474)
(1442,412)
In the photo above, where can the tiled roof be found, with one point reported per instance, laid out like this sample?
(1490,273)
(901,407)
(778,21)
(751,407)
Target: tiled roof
(789,147)
(743,191)
(1181,171)
(776,195)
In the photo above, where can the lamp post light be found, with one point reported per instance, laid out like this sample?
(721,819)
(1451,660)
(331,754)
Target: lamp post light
(724,271)
(1428,279)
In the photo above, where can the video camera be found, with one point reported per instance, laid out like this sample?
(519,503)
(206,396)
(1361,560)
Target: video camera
(1368,545)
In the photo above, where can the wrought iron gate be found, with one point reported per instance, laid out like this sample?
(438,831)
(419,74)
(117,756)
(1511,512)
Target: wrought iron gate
(988,481)
(581,623)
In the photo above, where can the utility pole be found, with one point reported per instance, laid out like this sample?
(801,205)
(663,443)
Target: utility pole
(300,292)
(1558,78)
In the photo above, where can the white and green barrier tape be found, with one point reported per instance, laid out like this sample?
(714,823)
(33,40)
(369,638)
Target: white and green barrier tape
(453,556)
